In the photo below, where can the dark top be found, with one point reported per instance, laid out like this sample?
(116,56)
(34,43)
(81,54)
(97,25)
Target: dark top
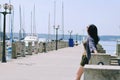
(90,47)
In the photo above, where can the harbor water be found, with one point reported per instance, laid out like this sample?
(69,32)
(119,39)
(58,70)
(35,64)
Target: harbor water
(109,46)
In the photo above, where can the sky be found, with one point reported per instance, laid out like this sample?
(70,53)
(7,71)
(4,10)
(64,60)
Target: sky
(78,14)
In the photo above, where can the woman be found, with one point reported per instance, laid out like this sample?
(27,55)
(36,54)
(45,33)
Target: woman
(91,47)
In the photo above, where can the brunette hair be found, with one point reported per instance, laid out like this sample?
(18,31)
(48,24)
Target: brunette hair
(93,32)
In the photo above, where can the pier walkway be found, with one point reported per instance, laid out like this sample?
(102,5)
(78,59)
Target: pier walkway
(54,65)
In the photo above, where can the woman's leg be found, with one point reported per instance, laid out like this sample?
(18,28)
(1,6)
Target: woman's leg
(79,73)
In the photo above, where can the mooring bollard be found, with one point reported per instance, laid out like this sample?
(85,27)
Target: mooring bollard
(44,47)
(29,48)
(23,49)
(14,50)
(36,48)
(40,47)
(0,50)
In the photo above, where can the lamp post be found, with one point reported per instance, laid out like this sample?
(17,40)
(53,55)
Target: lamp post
(76,37)
(56,28)
(70,33)
(7,10)
(76,42)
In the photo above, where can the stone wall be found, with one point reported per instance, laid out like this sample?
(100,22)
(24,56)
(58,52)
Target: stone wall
(100,58)
(100,49)
(20,50)
(118,50)
(101,72)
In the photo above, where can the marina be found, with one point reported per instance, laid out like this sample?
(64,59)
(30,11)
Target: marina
(42,39)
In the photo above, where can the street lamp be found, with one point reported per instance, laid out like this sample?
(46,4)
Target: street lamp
(70,33)
(76,37)
(76,42)
(7,10)
(56,28)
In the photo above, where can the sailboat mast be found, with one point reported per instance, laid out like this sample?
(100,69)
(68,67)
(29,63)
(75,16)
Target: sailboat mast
(62,20)
(49,26)
(54,15)
(20,18)
(12,24)
(0,28)
(31,24)
(34,24)
(20,22)
(23,23)
(11,21)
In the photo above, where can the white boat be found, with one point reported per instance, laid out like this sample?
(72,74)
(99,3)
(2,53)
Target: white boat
(33,36)
(30,38)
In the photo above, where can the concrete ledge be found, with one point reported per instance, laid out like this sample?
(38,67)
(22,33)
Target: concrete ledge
(101,72)
(100,57)
(115,61)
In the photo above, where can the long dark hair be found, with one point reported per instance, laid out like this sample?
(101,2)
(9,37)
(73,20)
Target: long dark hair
(93,32)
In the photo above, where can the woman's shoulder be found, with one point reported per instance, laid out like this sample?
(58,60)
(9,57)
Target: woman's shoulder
(90,38)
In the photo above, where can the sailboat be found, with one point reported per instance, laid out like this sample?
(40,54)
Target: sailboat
(10,39)
(21,31)
(30,38)
(33,37)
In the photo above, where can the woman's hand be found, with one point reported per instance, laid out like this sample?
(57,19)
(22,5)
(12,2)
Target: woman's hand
(95,51)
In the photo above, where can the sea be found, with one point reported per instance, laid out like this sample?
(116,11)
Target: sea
(109,46)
